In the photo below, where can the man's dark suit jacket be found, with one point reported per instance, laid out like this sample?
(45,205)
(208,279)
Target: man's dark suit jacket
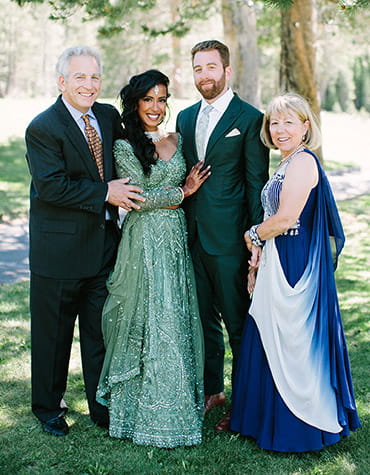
(67,199)
(229,202)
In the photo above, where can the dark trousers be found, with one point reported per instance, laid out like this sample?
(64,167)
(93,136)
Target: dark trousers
(54,306)
(222,295)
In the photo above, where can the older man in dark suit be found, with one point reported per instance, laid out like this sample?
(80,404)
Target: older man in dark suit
(73,233)
(223,131)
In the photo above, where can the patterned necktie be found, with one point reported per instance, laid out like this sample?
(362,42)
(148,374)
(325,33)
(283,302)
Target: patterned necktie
(201,131)
(95,145)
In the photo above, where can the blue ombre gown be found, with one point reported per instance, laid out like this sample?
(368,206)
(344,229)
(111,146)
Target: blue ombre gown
(293,390)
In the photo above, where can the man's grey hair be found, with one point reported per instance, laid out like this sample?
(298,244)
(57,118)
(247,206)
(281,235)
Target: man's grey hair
(62,67)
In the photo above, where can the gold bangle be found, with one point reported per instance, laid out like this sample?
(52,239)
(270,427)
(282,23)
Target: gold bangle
(182,194)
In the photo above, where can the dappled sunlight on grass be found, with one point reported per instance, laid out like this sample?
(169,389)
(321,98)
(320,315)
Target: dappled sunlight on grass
(355,300)
(353,282)
(15,298)
(26,449)
(15,329)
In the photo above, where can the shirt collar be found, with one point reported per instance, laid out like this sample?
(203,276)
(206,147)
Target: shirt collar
(221,103)
(75,113)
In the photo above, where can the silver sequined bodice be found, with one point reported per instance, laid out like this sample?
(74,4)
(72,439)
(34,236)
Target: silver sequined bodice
(270,195)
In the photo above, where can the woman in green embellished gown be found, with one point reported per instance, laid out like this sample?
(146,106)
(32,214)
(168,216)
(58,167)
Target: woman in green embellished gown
(152,378)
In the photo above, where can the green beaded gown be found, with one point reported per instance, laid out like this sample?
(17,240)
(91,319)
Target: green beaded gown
(152,377)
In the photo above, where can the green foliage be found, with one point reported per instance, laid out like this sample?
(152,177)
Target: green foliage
(21,3)
(339,32)
(354,4)
(115,11)
(112,11)
(282,4)
(342,88)
(361,79)
(185,12)
(329,98)
(135,35)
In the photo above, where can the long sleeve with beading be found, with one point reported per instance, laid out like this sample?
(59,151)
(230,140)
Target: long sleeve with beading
(156,194)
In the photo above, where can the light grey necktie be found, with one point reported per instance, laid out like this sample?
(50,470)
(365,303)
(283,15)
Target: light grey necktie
(201,131)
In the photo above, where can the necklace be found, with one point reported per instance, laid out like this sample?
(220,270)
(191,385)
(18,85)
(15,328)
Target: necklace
(156,135)
(298,149)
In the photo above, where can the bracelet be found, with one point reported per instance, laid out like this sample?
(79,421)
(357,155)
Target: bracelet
(182,194)
(252,233)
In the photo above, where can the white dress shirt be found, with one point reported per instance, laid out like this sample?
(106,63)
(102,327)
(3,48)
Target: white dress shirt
(76,114)
(218,109)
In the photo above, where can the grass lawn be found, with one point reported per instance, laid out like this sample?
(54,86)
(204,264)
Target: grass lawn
(25,449)
(14,180)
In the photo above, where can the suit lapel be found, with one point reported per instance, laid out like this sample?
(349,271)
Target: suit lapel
(77,138)
(225,124)
(189,132)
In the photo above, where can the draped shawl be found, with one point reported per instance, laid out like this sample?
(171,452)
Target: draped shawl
(300,326)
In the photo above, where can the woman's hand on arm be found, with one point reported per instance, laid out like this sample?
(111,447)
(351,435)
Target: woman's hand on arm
(195,179)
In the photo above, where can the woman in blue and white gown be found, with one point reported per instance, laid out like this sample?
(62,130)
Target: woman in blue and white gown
(293,389)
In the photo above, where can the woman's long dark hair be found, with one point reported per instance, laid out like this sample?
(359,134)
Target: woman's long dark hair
(130,94)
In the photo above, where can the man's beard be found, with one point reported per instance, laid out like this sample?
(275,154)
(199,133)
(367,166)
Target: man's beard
(213,91)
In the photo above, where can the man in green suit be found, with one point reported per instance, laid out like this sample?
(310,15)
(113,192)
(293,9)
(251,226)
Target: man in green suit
(73,233)
(223,131)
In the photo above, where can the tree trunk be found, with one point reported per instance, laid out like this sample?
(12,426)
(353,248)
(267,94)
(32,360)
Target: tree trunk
(176,54)
(9,76)
(240,33)
(298,55)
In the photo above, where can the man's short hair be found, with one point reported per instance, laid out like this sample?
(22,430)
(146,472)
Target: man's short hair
(209,45)
(62,67)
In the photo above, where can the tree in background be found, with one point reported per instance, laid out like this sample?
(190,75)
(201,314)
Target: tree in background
(361,77)
(240,30)
(298,54)
(159,33)
(343,91)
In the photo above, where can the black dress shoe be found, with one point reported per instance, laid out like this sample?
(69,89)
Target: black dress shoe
(56,426)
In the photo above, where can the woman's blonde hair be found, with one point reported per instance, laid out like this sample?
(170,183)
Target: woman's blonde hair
(289,102)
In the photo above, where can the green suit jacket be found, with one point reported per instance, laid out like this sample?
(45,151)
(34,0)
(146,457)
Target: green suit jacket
(67,197)
(229,202)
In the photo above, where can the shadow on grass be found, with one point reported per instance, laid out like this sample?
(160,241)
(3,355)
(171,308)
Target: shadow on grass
(13,165)
(14,322)
(89,450)
(14,180)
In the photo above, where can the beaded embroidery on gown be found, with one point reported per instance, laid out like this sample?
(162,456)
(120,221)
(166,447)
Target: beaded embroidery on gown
(152,377)
(293,387)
